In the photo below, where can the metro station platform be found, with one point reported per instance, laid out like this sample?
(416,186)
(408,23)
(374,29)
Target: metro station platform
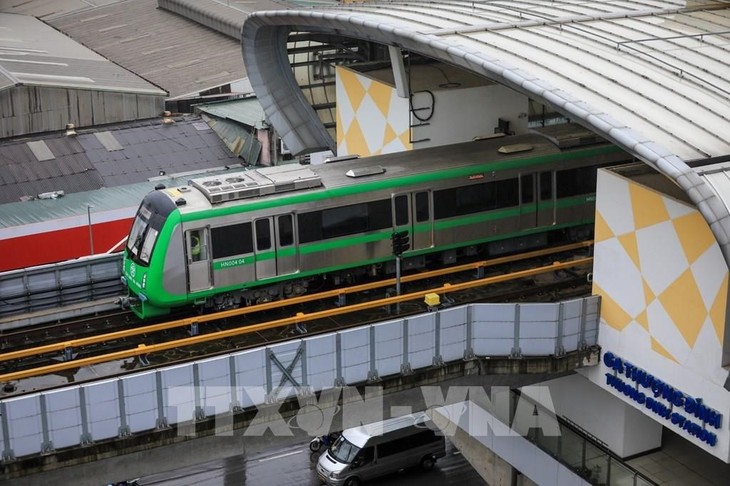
(679,463)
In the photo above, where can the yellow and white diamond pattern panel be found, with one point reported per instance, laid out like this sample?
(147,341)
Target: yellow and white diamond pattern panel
(661,275)
(663,283)
(371,118)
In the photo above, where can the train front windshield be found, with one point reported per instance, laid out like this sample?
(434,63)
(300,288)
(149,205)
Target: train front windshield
(142,237)
(150,217)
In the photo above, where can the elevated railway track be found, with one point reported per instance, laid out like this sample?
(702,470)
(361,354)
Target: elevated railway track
(61,348)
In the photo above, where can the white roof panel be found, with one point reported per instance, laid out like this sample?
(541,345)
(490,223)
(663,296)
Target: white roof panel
(660,67)
(35,54)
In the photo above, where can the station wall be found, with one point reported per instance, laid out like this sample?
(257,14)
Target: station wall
(373,120)
(663,284)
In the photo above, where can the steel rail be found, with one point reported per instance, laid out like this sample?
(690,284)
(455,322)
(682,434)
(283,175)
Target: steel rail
(296,319)
(76,343)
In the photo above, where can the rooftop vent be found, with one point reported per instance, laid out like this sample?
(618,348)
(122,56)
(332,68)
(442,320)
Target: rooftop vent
(365,171)
(167,118)
(51,195)
(70,130)
(515,148)
(341,158)
(259,182)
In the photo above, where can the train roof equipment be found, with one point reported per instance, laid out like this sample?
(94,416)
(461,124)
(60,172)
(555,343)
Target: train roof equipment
(257,182)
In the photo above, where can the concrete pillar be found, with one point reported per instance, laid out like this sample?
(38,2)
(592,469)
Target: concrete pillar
(492,468)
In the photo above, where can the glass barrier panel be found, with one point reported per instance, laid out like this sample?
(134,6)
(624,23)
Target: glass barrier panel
(622,475)
(571,447)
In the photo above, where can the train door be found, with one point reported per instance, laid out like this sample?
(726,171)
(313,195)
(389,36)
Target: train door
(546,195)
(286,250)
(274,246)
(264,248)
(198,251)
(422,218)
(528,201)
(412,212)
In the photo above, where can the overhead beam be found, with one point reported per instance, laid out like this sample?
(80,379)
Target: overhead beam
(399,72)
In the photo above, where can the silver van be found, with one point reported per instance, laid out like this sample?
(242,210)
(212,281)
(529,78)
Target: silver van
(373,450)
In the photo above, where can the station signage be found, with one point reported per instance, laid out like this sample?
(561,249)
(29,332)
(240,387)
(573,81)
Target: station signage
(688,413)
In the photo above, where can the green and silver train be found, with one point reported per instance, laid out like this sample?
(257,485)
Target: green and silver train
(269,233)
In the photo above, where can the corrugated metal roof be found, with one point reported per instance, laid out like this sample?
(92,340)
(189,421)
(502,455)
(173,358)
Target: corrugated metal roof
(240,140)
(179,55)
(83,163)
(184,46)
(230,120)
(35,54)
(247,111)
(109,200)
(5,80)
(23,175)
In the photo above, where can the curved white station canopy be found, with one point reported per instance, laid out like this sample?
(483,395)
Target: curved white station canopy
(651,76)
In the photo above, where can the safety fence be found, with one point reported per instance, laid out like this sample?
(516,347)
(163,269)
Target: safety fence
(47,421)
(60,284)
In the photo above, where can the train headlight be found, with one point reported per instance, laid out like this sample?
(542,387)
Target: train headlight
(124,280)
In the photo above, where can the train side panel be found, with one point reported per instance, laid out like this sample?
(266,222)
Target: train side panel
(212,254)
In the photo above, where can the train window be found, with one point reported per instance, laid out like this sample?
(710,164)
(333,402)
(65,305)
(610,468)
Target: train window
(379,216)
(345,220)
(263,234)
(475,198)
(528,191)
(444,202)
(507,193)
(135,235)
(401,210)
(310,226)
(286,230)
(198,249)
(235,239)
(461,200)
(546,186)
(149,243)
(422,210)
(573,182)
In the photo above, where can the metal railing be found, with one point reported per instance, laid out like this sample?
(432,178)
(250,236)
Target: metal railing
(587,456)
(60,284)
(220,386)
